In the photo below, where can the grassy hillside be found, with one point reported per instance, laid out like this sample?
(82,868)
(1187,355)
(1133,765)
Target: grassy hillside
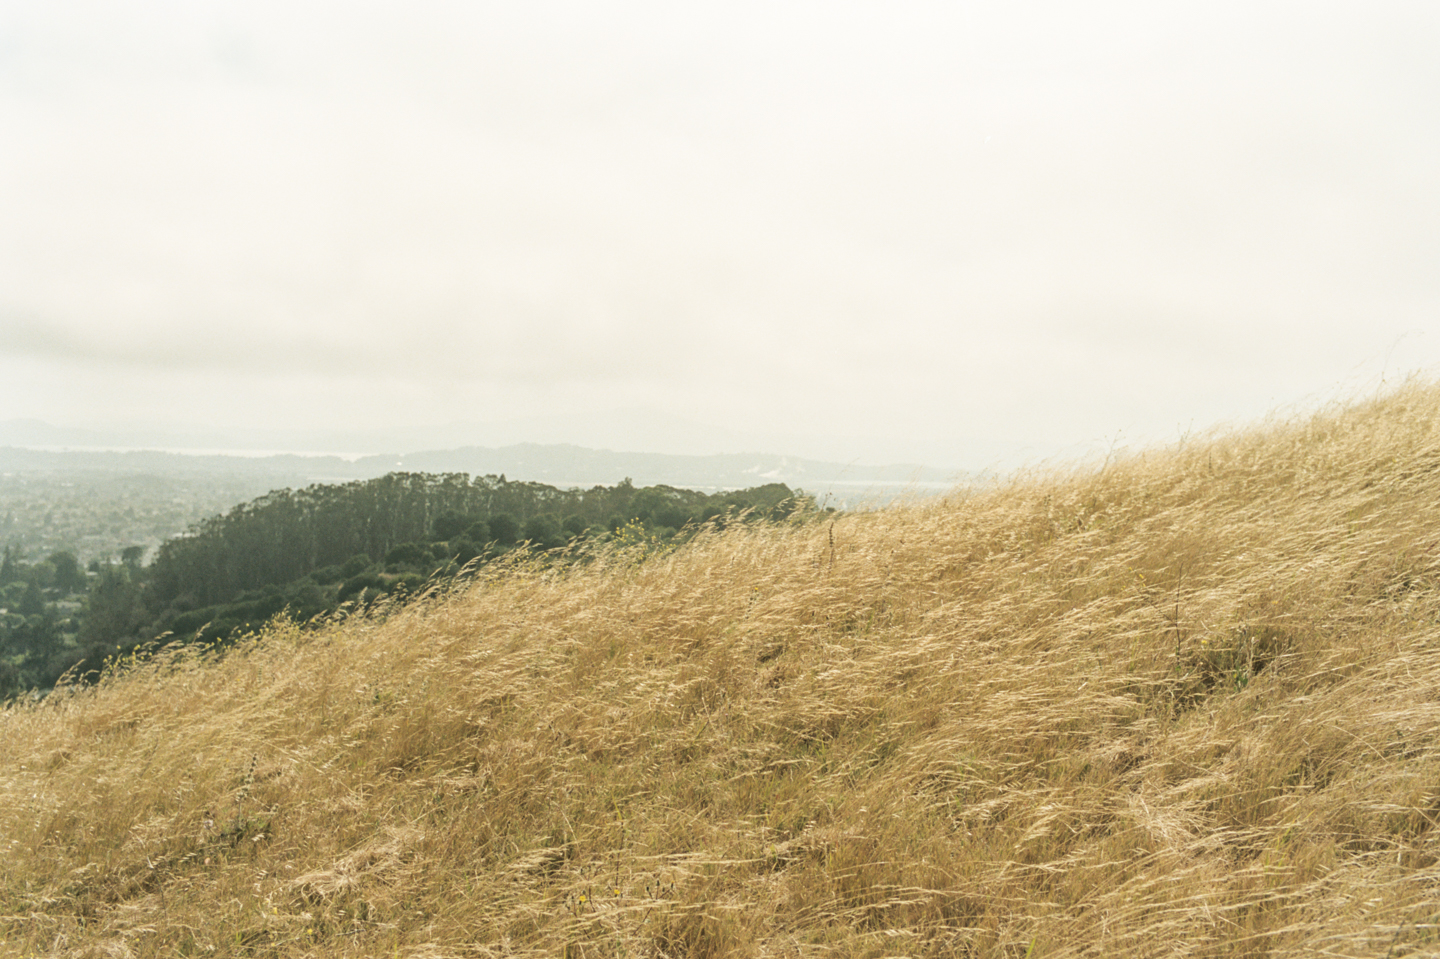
(1186,704)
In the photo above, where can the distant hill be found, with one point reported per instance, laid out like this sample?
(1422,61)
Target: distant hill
(95,502)
(555,464)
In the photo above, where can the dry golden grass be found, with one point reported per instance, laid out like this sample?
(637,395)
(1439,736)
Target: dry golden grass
(1186,704)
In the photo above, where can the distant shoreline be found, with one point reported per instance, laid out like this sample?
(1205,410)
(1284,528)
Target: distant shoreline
(561,466)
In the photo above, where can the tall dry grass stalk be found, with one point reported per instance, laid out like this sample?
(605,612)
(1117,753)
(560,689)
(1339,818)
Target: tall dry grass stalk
(1186,704)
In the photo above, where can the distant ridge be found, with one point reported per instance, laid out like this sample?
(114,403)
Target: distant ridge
(561,465)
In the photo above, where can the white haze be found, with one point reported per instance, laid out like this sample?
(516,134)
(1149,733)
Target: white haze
(959,234)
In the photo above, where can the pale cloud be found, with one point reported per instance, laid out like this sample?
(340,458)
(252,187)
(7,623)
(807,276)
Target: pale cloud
(1029,223)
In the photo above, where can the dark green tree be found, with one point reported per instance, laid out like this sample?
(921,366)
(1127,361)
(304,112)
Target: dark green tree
(363,586)
(544,531)
(356,565)
(464,549)
(408,554)
(503,529)
(114,609)
(451,523)
(33,602)
(68,576)
(10,566)
(12,681)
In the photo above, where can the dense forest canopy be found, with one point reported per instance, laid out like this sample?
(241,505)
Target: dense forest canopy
(308,551)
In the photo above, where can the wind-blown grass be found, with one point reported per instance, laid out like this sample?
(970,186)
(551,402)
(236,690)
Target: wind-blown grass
(1185,704)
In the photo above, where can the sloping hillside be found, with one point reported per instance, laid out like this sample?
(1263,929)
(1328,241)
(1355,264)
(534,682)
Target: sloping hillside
(1184,705)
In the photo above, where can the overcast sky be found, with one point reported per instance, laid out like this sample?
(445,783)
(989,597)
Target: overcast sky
(953,233)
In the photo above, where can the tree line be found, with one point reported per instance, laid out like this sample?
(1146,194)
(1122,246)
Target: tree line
(310,550)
